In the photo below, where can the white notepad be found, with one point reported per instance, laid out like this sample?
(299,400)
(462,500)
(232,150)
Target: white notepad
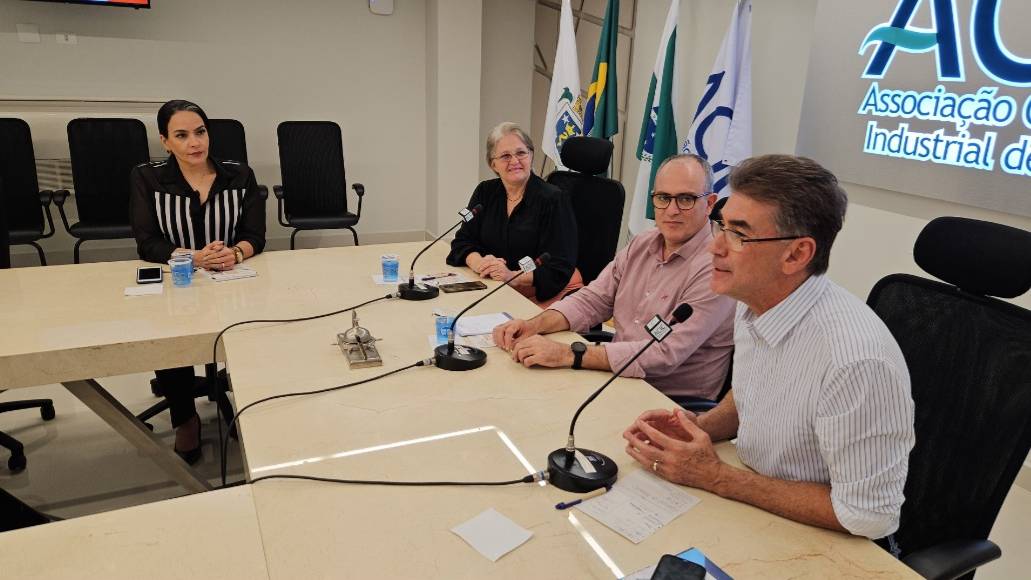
(638,505)
(492,534)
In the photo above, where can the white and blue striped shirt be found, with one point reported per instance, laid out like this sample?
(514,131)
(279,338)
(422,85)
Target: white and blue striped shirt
(822,394)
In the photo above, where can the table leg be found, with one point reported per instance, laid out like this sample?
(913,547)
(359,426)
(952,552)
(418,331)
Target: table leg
(94,396)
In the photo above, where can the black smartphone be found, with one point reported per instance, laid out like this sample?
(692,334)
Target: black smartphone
(673,568)
(149,275)
(462,286)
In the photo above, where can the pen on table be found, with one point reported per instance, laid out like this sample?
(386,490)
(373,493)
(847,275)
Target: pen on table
(568,504)
(424,278)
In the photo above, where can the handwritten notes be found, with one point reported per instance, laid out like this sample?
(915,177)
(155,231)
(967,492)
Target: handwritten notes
(638,505)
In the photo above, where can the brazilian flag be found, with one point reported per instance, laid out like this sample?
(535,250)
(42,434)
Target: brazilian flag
(600,115)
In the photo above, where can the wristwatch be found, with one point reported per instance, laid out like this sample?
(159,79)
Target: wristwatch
(238,253)
(578,349)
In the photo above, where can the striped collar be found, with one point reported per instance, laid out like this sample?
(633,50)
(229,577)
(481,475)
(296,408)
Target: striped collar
(777,322)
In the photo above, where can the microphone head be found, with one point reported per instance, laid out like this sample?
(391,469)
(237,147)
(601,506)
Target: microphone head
(476,208)
(683,312)
(543,259)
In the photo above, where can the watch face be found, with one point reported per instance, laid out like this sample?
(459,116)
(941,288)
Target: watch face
(579,347)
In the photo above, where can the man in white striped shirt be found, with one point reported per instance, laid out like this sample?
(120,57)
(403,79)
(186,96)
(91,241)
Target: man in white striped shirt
(821,403)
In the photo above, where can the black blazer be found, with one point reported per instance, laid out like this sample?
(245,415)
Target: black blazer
(166,212)
(542,222)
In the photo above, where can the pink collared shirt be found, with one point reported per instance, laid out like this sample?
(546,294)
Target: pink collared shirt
(637,285)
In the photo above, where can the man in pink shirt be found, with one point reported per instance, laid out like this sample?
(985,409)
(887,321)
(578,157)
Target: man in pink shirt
(657,271)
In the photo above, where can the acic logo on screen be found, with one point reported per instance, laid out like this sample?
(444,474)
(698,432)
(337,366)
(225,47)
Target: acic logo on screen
(983,109)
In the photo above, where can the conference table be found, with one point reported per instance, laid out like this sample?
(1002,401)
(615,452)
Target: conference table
(494,423)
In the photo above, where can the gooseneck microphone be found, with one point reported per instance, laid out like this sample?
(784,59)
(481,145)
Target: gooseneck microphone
(410,290)
(583,470)
(465,358)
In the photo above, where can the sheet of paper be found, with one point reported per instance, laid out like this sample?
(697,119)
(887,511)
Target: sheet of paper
(144,290)
(480,341)
(638,505)
(234,274)
(435,279)
(442,278)
(492,534)
(481,324)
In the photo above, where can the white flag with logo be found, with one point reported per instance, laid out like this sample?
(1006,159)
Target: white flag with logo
(722,128)
(658,129)
(565,105)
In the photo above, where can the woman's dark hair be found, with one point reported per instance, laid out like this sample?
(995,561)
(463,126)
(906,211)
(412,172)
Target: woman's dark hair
(171,108)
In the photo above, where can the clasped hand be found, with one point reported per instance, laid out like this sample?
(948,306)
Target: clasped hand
(215,256)
(671,444)
(494,268)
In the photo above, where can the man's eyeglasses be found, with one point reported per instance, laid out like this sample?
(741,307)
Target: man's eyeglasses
(685,201)
(736,240)
(521,155)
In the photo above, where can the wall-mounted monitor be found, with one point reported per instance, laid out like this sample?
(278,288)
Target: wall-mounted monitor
(123,3)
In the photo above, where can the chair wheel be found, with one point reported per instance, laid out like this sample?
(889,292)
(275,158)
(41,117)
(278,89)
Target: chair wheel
(155,387)
(17,463)
(47,412)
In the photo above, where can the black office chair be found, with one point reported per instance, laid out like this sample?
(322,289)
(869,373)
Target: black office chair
(17,461)
(597,201)
(202,388)
(228,140)
(103,152)
(969,359)
(15,514)
(23,197)
(598,206)
(313,195)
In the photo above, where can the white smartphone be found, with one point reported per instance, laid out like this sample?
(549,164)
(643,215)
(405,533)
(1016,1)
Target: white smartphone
(149,275)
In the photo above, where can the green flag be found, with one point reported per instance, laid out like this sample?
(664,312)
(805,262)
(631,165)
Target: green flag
(601,118)
(658,139)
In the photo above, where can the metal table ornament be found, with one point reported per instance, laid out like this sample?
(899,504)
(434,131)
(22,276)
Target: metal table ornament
(359,346)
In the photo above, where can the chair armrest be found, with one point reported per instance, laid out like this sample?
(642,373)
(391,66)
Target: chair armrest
(952,559)
(360,190)
(46,196)
(277,190)
(694,404)
(597,336)
(263,192)
(60,196)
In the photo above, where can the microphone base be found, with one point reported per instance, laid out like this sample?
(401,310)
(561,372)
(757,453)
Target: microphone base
(570,476)
(462,358)
(417,291)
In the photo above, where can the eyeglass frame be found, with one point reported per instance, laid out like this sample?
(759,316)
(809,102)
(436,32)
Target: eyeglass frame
(694,199)
(511,156)
(719,228)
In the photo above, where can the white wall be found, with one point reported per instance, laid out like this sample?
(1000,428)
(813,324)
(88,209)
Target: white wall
(507,70)
(881,225)
(259,61)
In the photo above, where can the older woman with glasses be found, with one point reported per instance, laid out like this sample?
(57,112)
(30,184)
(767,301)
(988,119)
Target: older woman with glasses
(522,216)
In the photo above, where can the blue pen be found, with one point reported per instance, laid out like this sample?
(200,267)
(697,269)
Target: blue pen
(568,504)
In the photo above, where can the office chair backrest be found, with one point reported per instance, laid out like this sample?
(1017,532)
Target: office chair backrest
(5,242)
(227,140)
(597,201)
(18,171)
(311,160)
(969,359)
(104,152)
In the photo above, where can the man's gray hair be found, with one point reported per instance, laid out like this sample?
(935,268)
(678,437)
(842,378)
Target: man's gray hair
(706,168)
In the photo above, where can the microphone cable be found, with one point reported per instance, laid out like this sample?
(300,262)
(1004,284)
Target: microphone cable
(225,444)
(532,478)
(213,378)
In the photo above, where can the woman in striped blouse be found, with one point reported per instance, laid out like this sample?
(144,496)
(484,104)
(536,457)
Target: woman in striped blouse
(193,203)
